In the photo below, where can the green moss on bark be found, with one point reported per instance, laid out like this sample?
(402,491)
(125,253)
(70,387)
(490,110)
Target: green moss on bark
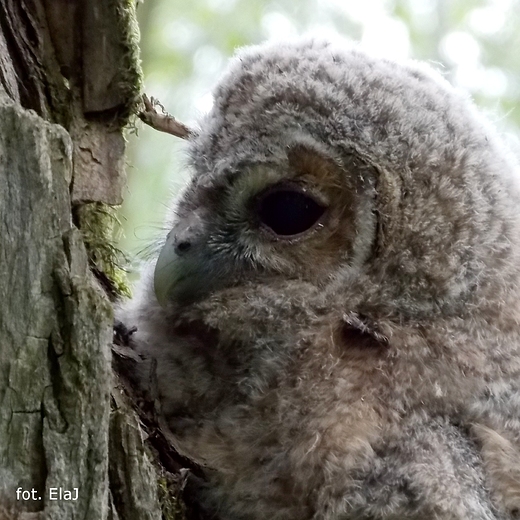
(101,230)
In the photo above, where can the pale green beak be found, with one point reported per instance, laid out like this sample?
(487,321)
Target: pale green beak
(168,271)
(183,277)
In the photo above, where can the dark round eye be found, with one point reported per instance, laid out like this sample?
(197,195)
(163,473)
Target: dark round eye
(288,211)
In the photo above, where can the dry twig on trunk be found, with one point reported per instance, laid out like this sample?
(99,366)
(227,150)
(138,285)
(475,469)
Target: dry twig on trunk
(162,121)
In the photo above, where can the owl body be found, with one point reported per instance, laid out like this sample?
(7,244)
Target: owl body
(337,335)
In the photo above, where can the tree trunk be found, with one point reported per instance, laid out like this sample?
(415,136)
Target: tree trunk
(69,78)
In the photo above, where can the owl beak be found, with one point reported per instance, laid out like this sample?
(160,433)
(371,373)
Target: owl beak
(167,271)
(184,274)
(181,262)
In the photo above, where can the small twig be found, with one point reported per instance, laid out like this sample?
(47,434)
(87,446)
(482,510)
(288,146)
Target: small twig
(162,121)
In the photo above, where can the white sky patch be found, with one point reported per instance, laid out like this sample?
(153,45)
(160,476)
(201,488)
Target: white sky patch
(467,77)
(425,17)
(396,41)
(502,4)
(382,35)
(362,11)
(326,32)
(491,82)
(276,26)
(487,20)
(460,48)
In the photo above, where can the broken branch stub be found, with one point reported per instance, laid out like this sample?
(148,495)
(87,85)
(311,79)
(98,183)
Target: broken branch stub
(162,121)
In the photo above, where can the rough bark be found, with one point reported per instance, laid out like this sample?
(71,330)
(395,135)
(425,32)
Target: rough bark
(69,79)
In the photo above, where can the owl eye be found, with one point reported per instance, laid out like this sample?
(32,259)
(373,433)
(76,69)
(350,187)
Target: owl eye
(288,211)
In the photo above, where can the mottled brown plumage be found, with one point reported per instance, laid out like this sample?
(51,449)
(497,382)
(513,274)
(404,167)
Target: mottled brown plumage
(339,329)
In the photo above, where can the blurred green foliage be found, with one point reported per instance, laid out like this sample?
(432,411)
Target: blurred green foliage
(185,46)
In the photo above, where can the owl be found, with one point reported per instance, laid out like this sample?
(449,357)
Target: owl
(334,314)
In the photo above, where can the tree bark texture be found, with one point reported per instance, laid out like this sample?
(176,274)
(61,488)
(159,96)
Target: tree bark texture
(69,78)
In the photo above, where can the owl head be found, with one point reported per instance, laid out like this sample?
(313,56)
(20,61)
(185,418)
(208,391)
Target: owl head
(341,202)
(349,173)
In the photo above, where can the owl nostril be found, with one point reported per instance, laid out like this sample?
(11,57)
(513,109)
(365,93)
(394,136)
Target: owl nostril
(182,247)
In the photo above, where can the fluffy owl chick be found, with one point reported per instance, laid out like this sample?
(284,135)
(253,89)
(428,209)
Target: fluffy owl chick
(338,329)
